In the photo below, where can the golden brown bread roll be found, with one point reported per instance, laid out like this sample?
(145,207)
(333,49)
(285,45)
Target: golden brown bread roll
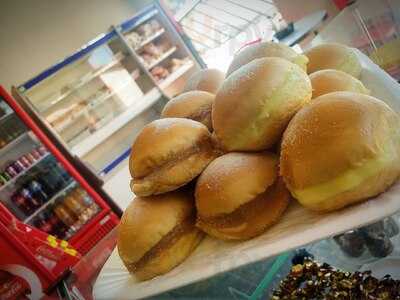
(207,80)
(266,49)
(340,149)
(238,196)
(167,154)
(157,233)
(328,81)
(333,56)
(195,105)
(255,103)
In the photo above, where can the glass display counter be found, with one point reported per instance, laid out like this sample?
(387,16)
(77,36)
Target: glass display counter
(259,280)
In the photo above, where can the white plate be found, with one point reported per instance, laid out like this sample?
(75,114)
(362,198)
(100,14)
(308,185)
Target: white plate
(297,228)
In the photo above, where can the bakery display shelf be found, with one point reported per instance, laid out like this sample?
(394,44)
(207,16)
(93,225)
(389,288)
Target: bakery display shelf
(92,104)
(13,143)
(176,74)
(14,179)
(118,122)
(84,80)
(51,201)
(150,38)
(165,55)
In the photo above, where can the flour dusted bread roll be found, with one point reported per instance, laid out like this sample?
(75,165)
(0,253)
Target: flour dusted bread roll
(167,154)
(195,105)
(239,195)
(157,233)
(333,56)
(257,101)
(328,81)
(340,149)
(266,49)
(207,80)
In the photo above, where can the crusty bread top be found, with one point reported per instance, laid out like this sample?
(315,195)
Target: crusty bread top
(333,56)
(162,140)
(147,220)
(329,80)
(334,133)
(232,180)
(188,104)
(255,103)
(265,49)
(208,80)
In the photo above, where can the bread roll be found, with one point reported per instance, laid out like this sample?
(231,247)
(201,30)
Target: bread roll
(157,233)
(340,149)
(256,102)
(195,105)
(167,154)
(238,196)
(328,81)
(266,49)
(333,56)
(207,80)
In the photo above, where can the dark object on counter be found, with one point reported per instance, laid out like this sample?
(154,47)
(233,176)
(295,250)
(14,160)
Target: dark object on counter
(301,255)
(352,243)
(391,227)
(311,280)
(376,240)
(285,31)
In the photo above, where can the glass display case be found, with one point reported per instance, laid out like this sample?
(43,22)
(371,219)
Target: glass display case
(92,94)
(154,42)
(96,100)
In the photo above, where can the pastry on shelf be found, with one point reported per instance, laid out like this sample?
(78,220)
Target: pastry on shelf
(164,46)
(159,73)
(155,25)
(145,30)
(147,58)
(152,49)
(134,39)
(176,63)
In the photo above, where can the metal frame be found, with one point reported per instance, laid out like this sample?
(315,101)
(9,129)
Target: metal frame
(193,9)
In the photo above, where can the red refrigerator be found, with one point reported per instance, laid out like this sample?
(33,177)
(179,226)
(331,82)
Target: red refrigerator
(49,214)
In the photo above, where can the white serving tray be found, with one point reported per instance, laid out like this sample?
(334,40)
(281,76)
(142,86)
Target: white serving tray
(297,228)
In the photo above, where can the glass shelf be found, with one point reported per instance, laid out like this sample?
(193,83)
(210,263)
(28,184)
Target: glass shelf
(21,174)
(50,202)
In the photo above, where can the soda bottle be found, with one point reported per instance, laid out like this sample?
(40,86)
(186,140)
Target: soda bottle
(18,166)
(64,215)
(73,205)
(58,227)
(11,172)
(42,150)
(33,202)
(22,204)
(3,180)
(37,191)
(43,223)
(5,176)
(35,153)
(30,157)
(25,161)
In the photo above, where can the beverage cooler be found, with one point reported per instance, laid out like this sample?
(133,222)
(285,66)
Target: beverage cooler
(49,214)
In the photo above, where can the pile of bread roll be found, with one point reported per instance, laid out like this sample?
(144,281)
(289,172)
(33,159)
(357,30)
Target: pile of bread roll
(230,153)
